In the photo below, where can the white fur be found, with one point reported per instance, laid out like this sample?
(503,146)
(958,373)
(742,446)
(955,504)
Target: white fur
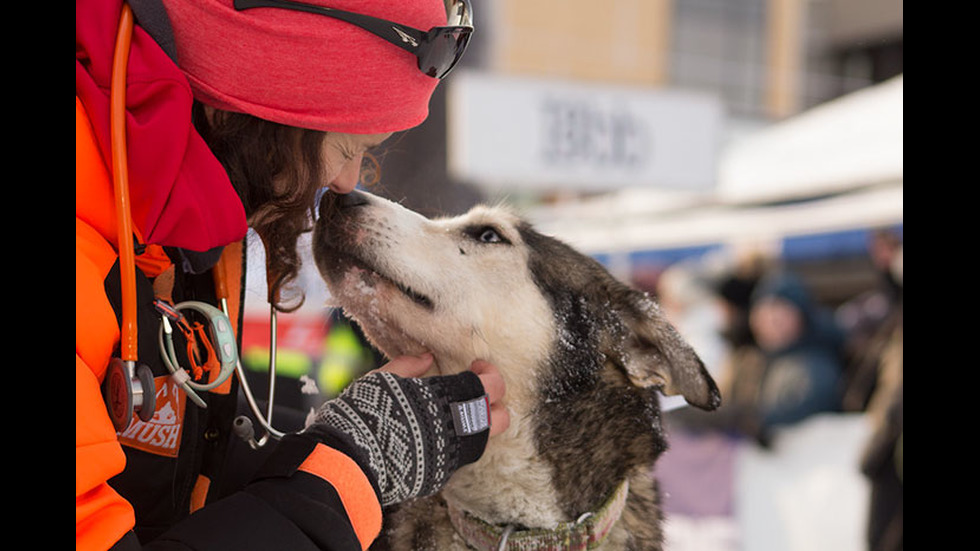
(486,306)
(418,285)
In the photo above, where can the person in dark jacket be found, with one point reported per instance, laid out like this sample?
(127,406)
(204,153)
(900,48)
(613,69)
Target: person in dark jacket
(790,371)
(800,348)
(236,114)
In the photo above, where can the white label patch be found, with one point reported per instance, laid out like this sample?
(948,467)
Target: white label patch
(471,417)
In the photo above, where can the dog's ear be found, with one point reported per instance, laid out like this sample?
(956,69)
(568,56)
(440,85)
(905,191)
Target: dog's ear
(656,355)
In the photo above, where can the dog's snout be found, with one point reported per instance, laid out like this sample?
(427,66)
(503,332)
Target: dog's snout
(331,202)
(352,199)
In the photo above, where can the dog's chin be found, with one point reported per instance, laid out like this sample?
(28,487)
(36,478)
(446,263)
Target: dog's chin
(338,269)
(380,306)
(392,340)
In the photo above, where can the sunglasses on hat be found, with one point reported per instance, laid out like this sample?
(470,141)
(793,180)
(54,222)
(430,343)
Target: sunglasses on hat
(438,49)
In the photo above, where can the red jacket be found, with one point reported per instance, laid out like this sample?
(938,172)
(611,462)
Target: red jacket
(146,480)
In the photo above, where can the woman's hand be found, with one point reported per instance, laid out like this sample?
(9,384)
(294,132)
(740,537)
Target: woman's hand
(493,383)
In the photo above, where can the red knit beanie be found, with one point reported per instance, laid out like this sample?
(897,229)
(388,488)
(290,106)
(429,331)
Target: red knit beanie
(302,69)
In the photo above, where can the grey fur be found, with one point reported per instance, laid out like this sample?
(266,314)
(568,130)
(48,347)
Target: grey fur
(596,416)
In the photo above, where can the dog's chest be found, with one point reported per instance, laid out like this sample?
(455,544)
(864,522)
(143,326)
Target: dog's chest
(509,484)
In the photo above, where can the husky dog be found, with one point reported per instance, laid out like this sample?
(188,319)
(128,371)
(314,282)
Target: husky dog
(583,356)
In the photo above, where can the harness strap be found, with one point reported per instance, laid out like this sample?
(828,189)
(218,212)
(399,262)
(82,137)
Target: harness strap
(585,533)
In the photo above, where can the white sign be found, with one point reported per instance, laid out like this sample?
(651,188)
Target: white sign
(507,132)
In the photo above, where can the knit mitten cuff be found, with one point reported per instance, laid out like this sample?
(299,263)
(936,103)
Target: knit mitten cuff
(414,432)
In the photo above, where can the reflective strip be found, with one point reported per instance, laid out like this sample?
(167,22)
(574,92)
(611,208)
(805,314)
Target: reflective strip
(199,495)
(355,490)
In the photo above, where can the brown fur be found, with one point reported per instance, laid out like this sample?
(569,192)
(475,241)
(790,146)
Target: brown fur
(583,394)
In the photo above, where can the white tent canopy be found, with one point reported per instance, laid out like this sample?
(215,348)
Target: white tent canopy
(845,156)
(852,142)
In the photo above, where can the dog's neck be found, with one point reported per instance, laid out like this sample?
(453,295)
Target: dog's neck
(522,491)
(522,483)
(587,531)
(517,377)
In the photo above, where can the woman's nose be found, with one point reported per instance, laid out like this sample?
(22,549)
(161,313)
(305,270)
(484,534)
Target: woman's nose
(349,175)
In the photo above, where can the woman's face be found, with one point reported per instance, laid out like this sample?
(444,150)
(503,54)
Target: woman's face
(343,155)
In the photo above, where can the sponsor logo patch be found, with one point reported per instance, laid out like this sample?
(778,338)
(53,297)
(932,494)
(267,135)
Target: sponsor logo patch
(161,434)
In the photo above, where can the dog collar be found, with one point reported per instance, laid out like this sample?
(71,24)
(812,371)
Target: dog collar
(585,533)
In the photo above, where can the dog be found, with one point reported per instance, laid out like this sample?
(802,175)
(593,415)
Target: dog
(583,355)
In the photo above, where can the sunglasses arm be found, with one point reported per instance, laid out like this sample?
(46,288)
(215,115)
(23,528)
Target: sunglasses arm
(406,38)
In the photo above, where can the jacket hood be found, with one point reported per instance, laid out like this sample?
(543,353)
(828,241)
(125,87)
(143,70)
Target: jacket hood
(820,328)
(181,195)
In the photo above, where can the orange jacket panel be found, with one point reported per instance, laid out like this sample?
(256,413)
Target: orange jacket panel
(101,515)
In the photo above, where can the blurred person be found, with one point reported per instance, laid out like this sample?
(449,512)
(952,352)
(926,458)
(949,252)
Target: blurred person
(790,371)
(786,372)
(689,303)
(735,290)
(696,473)
(739,366)
(800,347)
(238,115)
(870,318)
(883,458)
(732,288)
(883,461)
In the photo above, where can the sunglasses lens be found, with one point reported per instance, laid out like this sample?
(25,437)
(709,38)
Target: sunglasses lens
(445,49)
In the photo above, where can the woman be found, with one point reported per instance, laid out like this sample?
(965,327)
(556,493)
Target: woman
(236,115)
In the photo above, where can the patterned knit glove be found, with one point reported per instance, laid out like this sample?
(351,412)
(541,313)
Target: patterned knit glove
(413,432)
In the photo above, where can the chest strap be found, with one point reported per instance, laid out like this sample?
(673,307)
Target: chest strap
(585,533)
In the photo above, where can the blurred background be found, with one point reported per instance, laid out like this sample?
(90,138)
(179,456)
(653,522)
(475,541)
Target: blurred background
(741,160)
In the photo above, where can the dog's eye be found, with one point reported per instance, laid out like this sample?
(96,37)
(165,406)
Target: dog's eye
(485,234)
(490,235)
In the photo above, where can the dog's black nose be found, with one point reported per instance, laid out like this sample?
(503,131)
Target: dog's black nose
(332,202)
(352,199)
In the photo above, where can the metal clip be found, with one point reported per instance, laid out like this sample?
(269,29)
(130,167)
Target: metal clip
(504,537)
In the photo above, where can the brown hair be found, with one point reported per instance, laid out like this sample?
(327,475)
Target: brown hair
(276,170)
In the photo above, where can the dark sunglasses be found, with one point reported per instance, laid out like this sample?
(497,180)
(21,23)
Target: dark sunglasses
(438,49)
